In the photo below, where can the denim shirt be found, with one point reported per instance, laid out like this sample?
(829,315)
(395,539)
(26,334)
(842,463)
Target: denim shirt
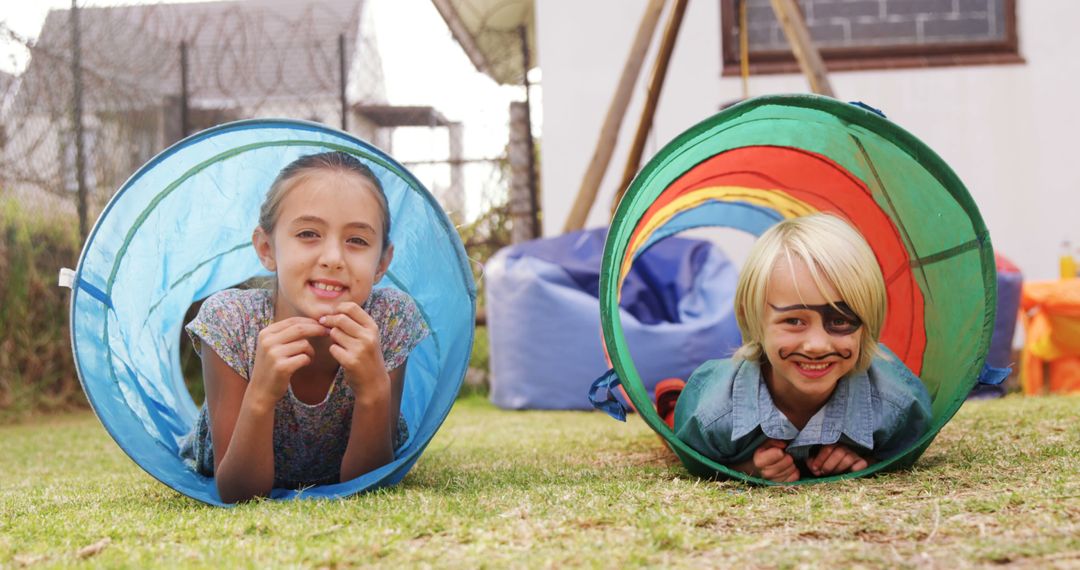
(726,412)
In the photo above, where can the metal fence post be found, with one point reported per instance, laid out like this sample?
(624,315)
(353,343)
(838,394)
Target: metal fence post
(77,120)
(534,202)
(344,78)
(185,120)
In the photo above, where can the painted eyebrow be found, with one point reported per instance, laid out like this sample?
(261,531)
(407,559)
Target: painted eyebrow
(795,307)
(843,307)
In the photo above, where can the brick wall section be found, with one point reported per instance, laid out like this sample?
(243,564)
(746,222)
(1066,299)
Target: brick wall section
(856,23)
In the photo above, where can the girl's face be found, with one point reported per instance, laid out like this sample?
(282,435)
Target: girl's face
(326,246)
(810,344)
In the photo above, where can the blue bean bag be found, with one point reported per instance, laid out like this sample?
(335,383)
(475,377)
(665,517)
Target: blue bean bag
(544,316)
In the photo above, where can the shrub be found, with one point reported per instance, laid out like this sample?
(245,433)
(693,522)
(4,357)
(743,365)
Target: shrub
(37,372)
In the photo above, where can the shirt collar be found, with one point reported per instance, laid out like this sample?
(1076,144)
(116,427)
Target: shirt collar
(753,407)
(849,411)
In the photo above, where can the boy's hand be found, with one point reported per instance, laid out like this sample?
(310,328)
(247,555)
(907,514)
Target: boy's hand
(836,458)
(773,463)
(358,348)
(282,349)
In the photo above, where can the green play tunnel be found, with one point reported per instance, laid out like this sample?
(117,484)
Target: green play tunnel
(776,157)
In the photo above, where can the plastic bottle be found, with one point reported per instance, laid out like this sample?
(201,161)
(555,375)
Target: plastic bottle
(1067,263)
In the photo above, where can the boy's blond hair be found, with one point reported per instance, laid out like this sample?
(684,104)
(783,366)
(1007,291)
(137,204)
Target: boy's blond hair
(835,253)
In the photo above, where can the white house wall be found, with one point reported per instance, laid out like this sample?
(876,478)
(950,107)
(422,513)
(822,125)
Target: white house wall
(1008,131)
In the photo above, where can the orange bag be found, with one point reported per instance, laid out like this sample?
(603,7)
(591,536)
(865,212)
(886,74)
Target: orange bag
(1051,315)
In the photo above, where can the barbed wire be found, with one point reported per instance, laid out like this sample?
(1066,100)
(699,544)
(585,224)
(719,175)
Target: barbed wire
(153,73)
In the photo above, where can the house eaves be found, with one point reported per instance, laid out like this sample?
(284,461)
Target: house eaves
(489,32)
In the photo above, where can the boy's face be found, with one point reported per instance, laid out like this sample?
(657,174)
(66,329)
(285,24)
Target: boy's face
(810,344)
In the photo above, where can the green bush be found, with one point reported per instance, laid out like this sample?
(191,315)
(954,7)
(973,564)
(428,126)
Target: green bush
(37,372)
(482,237)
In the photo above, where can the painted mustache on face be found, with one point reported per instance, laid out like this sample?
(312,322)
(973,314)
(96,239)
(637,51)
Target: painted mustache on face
(843,355)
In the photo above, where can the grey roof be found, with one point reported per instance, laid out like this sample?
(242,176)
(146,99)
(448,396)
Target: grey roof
(402,115)
(238,52)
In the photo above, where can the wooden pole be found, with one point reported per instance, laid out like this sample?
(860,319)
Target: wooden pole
(806,53)
(744,49)
(455,195)
(656,84)
(609,133)
(520,203)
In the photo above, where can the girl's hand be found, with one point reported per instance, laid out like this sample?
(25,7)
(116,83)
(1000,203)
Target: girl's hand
(773,463)
(358,349)
(283,348)
(836,458)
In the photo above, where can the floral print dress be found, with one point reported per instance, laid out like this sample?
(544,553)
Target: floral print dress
(309,439)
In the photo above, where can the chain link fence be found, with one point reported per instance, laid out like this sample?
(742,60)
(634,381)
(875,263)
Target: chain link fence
(109,86)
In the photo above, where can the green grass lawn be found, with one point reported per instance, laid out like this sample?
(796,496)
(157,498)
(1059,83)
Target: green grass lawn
(1000,484)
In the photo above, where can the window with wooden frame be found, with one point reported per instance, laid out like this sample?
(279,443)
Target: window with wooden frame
(876,34)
